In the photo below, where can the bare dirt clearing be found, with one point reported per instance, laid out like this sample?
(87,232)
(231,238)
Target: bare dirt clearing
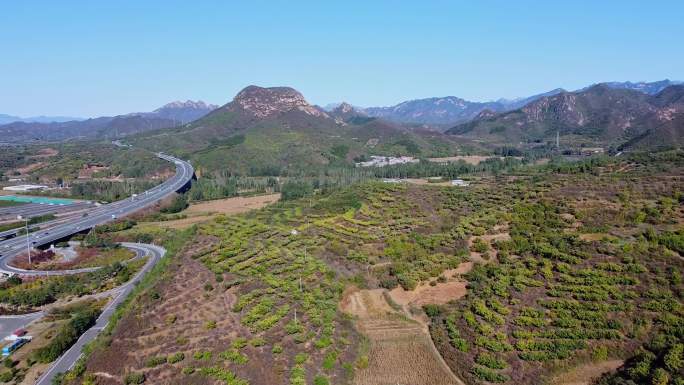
(470,159)
(586,374)
(45,153)
(441,293)
(204,211)
(235,205)
(400,351)
(30,168)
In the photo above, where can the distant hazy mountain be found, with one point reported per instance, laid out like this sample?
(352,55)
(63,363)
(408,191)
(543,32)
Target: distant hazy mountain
(107,127)
(4,119)
(600,115)
(183,112)
(442,110)
(514,104)
(453,110)
(448,110)
(651,88)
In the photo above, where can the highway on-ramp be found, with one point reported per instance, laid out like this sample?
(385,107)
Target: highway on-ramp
(97,216)
(52,231)
(67,360)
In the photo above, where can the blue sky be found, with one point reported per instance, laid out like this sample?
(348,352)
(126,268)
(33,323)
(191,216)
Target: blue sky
(91,58)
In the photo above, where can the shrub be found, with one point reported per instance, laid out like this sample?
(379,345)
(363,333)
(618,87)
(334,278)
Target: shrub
(321,380)
(155,361)
(432,310)
(134,378)
(239,343)
(277,349)
(175,358)
(488,375)
(329,360)
(491,361)
(7,376)
(170,319)
(202,356)
(301,358)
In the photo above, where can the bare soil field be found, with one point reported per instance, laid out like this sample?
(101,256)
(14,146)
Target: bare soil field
(425,182)
(204,211)
(235,205)
(45,153)
(441,293)
(470,159)
(586,374)
(400,350)
(30,168)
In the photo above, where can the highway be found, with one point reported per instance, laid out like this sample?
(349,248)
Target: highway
(67,360)
(64,227)
(51,232)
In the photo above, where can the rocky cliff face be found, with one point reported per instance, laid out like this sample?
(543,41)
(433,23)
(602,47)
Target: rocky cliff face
(267,102)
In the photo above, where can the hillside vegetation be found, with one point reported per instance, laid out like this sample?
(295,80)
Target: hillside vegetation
(590,270)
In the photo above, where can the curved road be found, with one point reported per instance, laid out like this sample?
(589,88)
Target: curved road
(97,216)
(52,231)
(69,358)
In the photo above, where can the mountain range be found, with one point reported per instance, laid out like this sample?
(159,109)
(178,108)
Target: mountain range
(278,126)
(450,110)
(601,115)
(169,115)
(6,119)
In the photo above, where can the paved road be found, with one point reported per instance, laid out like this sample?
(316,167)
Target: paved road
(10,323)
(97,216)
(68,359)
(29,210)
(63,214)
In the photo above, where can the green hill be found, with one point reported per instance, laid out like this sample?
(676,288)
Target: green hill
(271,130)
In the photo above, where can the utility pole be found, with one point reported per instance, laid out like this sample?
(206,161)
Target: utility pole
(28,242)
(557,140)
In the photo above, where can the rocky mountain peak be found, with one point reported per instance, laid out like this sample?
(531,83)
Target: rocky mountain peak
(344,108)
(264,102)
(188,104)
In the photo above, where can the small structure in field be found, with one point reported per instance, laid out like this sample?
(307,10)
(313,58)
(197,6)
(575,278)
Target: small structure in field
(459,183)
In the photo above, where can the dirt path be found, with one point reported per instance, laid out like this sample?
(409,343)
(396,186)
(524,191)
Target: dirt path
(401,350)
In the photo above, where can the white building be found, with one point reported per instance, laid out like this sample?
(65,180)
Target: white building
(381,161)
(25,187)
(459,183)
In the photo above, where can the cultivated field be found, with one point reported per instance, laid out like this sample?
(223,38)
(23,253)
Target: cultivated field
(399,349)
